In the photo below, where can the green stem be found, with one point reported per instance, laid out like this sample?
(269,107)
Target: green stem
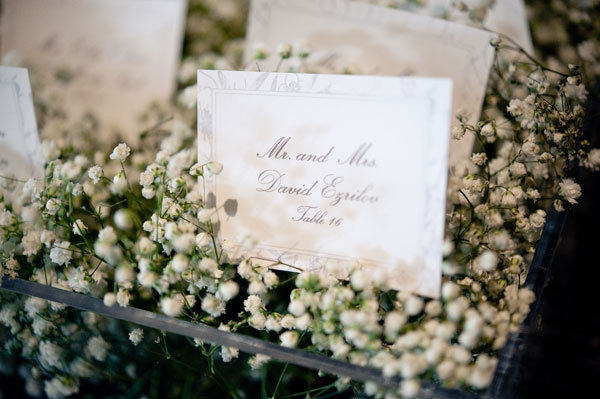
(279,381)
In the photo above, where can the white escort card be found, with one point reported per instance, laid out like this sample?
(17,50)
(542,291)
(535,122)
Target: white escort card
(379,41)
(19,143)
(329,169)
(122,54)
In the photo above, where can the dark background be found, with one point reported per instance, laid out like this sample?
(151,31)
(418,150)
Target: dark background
(561,357)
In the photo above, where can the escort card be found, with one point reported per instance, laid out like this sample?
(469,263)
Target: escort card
(379,41)
(329,169)
(120,54)
(19,143)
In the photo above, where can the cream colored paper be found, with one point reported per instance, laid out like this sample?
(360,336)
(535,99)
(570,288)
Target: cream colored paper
(123,54)
(507,17)
(382,41)
(328,169)
(19,143)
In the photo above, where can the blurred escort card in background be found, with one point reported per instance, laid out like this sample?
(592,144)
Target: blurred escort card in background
(19,143)
(118,55)
(377,40)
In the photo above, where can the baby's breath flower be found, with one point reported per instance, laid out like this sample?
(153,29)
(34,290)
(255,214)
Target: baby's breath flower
(289,339)
(203,240)
(413,305)
(148,193)
(204,215)
(136,336)
(409,388)
(146,178)
(110,299)
(120,152)
(212,305)
(52,206)
(260,52)
(123,219)
(147,278)
(479,159)
(31,242)
(227,290)
(171,306)
(180,263)
(488,130)
(189,97)
(592,161)
(516,107)
(252,304)
(98,348)
(457,132)
(284,50)
(302,49)
(450,290)
(463,115)
(257,361)
(95,173)
(76,190)
(569,190)
(79,228)
(486,261)
(270,279)
(123,297)
(119,184)
(60,253)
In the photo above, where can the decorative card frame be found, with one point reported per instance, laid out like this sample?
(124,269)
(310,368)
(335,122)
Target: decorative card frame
(424,275)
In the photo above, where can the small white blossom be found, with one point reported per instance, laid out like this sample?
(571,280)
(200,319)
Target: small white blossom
(79,228)
(569,190)
(284,50)
(252,304)
(409,388)
(95,173)
(487,261)
(123,298)
(592,161)
(257,361)
(52,206)
(110,299)
(289,339)
(31,242)
(212,305)
(136,336)
(60,253)
(107,235)
(413,305)
(227,290)
(204,215)
(180,263)
(171,306)
(479,159)
(98,348)
(120,152)
(270,279)
(488,130)
(123,219)
(147,278)
(203,240)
